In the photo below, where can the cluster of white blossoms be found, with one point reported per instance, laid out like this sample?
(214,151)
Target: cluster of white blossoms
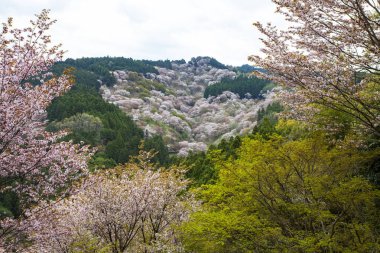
(176,108)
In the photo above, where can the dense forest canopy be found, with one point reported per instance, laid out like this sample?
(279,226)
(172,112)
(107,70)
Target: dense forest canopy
(245,86)
(101,66)
(117,136)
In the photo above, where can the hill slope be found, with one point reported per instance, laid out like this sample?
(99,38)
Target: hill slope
(171,104)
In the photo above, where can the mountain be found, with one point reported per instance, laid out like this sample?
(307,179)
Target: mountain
(170,102)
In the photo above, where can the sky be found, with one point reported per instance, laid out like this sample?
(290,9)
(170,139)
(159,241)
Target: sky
(152,29)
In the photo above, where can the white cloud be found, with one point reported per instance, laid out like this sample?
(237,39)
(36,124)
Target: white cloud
(150,29)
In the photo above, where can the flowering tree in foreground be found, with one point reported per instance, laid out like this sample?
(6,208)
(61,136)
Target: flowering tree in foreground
(331,57)
(132,208)
(34,165)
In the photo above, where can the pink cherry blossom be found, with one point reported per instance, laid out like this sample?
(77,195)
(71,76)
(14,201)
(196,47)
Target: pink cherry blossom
(132,208)
(320,57)
(33,162)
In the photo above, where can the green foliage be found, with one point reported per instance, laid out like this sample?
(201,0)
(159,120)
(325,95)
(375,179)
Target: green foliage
(157,145)
(182,61)
(83,78)
(201,169)
(101,161)
(246,68)
(240,85)
(82,127)
(78,100)
(267,119)
(89,70)
(268,87)
(281,195)
(89,244)
(228,231)
(229,147)
(125,142)
(9,204)
(201,165)
(213,62)
(109,125)
(101,66)
(5,212)
(160,63)
(270,111)
(265,128)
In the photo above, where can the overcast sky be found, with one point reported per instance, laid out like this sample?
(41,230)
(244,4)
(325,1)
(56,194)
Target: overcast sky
(152,29)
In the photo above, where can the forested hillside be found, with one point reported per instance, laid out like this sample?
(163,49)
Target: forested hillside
(172,103)
(116,155)
(93,121)
(165,103)
(101,66)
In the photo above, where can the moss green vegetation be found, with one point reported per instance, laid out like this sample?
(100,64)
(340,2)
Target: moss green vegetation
(281,195)
(286,187)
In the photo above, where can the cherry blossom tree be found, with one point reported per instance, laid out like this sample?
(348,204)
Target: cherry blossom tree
(34,164)
(329,58)
(131,208)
